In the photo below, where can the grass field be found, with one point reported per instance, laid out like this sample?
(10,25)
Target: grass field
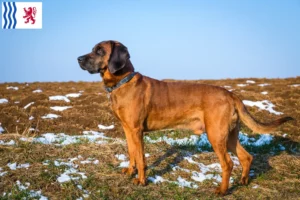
(61,158)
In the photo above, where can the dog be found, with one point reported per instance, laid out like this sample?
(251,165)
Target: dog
(145,104)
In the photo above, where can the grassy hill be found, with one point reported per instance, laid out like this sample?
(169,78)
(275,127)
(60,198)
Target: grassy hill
(60,158)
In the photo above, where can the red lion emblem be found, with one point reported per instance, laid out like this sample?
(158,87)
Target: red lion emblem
(30,14)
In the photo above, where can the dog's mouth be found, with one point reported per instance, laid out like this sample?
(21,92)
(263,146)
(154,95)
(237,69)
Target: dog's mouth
(94,71)
(89,69)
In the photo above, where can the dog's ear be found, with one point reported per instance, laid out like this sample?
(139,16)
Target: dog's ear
(118,58)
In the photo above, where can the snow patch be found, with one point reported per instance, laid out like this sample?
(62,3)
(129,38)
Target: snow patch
(1,129)
(156,179)
(121,157)
(62,139)
(124,164)
(242,85)
(50,116)
(263,105)
(181,182)
(60,108)
(32,194)
(184,183)
(71,172)
(14,166)
(264,93)
(295,85)
(25,107)
(255,187)
(59,98)
(105,127)
(2,173)
(227,86)
(250,81)
(74,95)
(3,101)
(264,84)
(10,143)
(37,91)
(207,172)
(12,88)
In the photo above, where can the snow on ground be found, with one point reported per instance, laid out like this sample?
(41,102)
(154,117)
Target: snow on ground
(295,85)
(31,193)
(59,98)
(14,166)
(71,171)
(120,157)
(202,142)
(12,88)
(37,91)
(250,81)
(264,93)
(106,127)
(3,101)
(62,139)
(255,187)
(199,141)
(264,84)
(227,86)
(263,105)
(60,108)
(2,173)
(264,139)
(50,116)
(242,85)
(10,143)
(180,181)
(1,129)
(31,118)
(74,95)
(25,107)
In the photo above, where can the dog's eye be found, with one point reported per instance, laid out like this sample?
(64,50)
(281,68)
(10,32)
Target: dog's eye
(100,52)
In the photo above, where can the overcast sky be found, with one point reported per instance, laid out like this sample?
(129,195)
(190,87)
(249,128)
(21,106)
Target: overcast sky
(201,39)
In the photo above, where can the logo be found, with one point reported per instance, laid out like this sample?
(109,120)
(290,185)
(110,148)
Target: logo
(30,14)
(22,15)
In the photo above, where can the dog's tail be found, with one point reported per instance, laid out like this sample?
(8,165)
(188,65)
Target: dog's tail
(252,123)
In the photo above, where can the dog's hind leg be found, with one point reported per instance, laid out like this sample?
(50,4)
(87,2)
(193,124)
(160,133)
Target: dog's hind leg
(244,157)
(217,134)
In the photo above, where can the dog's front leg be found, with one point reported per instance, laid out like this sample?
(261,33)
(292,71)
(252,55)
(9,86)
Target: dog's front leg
(136,152)
(131,169)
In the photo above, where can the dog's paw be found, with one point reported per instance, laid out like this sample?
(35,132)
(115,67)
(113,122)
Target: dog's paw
(137,181)
(244,180)
(220,191)
(130,171)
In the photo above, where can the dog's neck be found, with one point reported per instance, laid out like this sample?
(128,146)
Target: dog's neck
(114,79)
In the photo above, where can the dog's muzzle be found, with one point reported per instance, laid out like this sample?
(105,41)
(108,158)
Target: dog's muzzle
(81,60)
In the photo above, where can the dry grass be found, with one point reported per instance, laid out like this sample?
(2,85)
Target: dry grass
(276,173)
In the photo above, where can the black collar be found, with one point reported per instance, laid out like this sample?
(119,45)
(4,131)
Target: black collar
(123,81)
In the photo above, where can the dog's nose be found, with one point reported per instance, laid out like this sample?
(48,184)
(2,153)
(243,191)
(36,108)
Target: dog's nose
(80,58)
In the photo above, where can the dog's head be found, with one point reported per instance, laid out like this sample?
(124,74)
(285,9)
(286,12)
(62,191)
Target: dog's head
(109,58)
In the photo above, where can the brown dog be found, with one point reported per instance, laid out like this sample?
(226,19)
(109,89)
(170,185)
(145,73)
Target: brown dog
(145,104)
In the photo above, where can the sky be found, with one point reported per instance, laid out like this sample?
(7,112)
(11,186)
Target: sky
(201,39)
